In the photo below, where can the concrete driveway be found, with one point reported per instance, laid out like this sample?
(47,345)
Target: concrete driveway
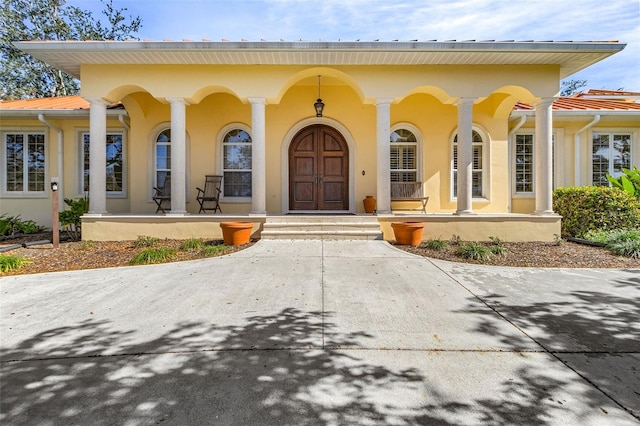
(321,333)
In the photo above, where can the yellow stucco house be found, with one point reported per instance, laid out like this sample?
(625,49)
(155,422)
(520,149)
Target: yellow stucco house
(477,127)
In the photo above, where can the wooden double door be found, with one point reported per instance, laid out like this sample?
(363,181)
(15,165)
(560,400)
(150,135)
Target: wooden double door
(318,170)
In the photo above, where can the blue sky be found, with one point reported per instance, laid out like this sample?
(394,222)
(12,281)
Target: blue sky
(367,20)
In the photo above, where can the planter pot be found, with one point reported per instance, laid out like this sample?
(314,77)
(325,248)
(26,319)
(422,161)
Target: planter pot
(369,204)
(408,233)
(236,233)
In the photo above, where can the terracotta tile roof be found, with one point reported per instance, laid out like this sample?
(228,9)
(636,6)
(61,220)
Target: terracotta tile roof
(579,104)
(56,103)
(605,93)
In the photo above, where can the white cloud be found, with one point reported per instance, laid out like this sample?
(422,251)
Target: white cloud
(331,20)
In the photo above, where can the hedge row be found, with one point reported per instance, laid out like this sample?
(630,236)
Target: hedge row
(589,208)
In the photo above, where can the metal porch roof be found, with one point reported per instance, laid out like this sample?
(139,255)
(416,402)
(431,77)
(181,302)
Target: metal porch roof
(570,56)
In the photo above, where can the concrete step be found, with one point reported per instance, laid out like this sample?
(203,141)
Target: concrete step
(322,228)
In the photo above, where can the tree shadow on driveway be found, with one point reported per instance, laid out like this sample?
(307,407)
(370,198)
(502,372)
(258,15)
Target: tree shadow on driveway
(267,372)
(595,333)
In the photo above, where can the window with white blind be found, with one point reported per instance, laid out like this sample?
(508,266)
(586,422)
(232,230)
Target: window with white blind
(404,156)
(477,180)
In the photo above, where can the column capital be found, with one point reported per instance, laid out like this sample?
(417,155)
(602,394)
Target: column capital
(383,101)
(464,100)
(173,100)
(257,100)
(544,102)
(96,100)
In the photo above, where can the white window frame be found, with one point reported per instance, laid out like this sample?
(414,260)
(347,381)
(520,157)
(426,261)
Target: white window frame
(152,171)
(485,161)
(25,131)
(554,137)
(418,147)
(514,177)
(80,144)
(634,133)
(220,163)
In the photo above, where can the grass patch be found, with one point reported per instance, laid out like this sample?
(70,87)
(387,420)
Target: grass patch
(215,250)
(435,244)
(10,263)
(191,244)
(153,255)
(474,251)
(146,241)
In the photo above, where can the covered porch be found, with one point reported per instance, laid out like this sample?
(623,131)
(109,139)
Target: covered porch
(476,227)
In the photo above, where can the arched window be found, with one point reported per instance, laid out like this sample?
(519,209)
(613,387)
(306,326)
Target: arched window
(163,157)
(477,180)
(403,156)
(236,163)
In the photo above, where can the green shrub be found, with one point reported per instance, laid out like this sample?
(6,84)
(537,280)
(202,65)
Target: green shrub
(497,246)
(153,255)
(435,244)
(215,249)
(146,241)
(70,219)
(9,263)
(13,225)
(87,245)
(474,251)
(191,244)
(595,207)
(628,248)
(558,240)
(621,242)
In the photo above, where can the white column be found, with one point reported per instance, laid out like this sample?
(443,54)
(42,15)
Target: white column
(383,172)
(544,157)
(465,156)
(178,155)
(258,157)
(97,156)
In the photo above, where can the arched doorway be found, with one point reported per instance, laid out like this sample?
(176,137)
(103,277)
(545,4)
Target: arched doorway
(318,170)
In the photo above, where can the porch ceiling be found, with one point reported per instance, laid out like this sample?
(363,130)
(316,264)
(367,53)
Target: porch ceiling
(570,56)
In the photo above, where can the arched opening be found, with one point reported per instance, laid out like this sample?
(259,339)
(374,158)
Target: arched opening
(318,170)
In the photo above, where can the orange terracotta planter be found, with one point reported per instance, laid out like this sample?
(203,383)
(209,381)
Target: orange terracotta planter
(408,233)
(236,233)
(369,204)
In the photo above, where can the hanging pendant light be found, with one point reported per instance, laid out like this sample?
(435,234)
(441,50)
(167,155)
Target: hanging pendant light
(319,105)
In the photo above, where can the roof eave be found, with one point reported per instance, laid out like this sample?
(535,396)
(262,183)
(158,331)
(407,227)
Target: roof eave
(69,55)
(61,113)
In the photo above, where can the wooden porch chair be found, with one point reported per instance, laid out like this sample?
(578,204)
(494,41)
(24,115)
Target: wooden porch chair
(209,197)
(162,195)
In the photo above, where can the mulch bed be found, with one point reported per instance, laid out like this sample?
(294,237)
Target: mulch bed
(540,255)
(75,255)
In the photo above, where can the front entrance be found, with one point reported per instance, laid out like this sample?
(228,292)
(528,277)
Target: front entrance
(318,170)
